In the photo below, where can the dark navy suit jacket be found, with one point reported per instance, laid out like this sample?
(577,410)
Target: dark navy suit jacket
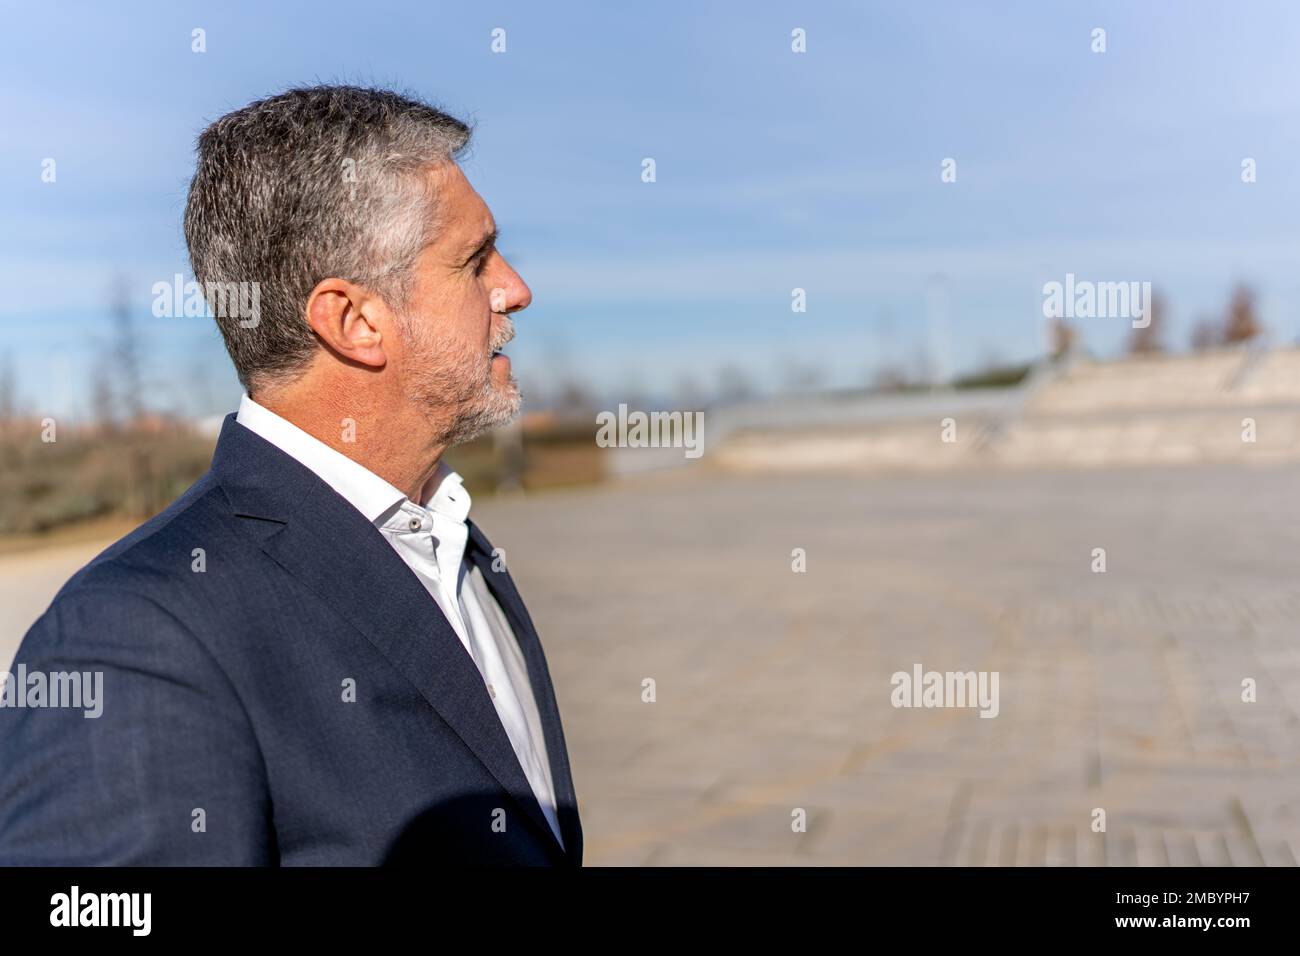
(225,738)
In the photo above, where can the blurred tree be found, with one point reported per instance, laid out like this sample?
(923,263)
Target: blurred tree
(687,392)
(733,384)
(8,389)
(889,377)
(126,352)
(103,396)
(572,397)
(798,375)
(1241,325)
(1064,338)
(994,376)
(1149,340)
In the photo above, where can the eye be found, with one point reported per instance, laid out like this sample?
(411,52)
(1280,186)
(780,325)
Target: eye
(481,264)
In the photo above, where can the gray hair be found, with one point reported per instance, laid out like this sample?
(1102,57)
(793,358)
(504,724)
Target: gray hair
(314,183)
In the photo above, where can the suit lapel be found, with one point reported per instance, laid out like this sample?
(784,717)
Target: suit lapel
(332,549)
(479,551)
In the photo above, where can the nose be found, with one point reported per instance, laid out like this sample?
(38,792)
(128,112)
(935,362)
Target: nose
(515,292)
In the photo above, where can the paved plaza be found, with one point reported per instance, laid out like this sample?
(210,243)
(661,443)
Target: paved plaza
(1118,691)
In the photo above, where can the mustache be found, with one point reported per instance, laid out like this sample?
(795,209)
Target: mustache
(505,331)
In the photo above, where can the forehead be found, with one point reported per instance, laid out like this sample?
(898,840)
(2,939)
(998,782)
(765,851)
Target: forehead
(465,217)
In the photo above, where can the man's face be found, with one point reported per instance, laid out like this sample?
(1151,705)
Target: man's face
(456,323)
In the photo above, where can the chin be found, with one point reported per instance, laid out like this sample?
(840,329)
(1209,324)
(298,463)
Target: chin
(499,405)
(511,402)
(504,391)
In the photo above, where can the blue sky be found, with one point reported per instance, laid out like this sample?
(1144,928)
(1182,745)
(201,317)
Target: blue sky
(775,170)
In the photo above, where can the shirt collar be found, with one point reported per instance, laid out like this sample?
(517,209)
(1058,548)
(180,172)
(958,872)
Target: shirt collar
(362,488)
(448,496)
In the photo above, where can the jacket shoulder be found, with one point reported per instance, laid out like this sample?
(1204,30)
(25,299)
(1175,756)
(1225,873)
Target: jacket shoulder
(151,559)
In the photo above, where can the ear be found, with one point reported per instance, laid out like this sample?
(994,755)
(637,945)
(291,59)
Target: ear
(349,320)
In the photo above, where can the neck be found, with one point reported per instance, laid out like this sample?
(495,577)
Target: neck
(390,439)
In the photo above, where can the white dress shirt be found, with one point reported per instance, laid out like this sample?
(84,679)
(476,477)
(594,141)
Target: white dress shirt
(430,537)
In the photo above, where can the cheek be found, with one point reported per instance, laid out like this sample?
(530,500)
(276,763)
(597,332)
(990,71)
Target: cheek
(456,320)
(471,311)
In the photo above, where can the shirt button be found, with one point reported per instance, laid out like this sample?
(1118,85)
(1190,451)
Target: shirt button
(414,524)
(493,691)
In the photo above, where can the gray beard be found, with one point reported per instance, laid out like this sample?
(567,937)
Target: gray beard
(498,409)
(476,407)
(460,418)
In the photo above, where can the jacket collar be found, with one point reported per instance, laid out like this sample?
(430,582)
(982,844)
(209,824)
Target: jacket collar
(366,491)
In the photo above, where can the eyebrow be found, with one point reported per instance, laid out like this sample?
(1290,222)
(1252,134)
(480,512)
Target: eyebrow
(484,244)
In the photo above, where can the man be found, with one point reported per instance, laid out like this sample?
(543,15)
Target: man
(313,656)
